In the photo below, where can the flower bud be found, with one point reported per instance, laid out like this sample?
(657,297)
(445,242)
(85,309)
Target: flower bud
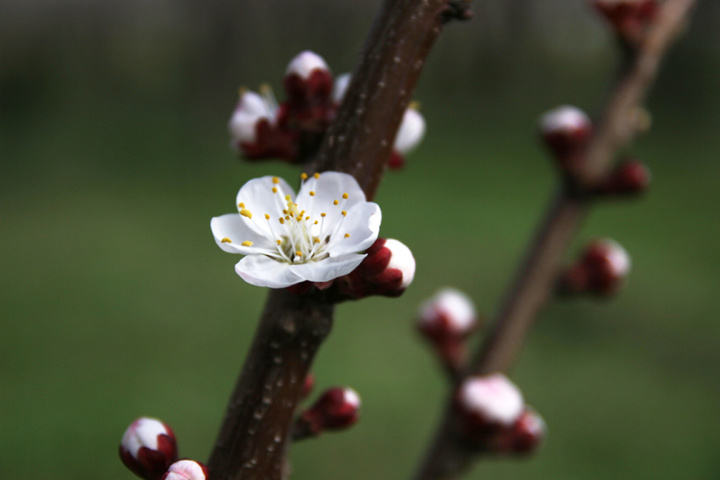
(305,64)
(186,470)
(308,85)
(566,130)
(342,82)
(148,448)
(527,434)
(602,269)
(632,176)
(489,404)
(448,314)
(410,134)
(250,110)
(629,18)
(336,409)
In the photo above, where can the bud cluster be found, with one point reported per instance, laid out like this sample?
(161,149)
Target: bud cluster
(261,128)
(337,409)
(494,418)
(601,269)
(148,448)
(446,320)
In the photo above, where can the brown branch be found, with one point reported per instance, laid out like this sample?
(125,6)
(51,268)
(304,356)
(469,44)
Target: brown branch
(447,456)
(255,434)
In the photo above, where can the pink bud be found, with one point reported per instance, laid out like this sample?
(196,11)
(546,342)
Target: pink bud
(305,63)
(148,448)
(489,403)
(402,260)
(336,409)
(608,264)
(567,131)
(186,470)
(527,434)
(629,18)
(449,313)
(250,110)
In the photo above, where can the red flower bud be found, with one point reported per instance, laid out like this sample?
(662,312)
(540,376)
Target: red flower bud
(602,269)
(148,448)
(187,470)
(526,435)
(488,405)
(566,131)
(631,176)
(336,409)
(629,18)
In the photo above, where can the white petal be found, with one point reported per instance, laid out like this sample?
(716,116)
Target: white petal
(363,224)
(249,111)
(401,259)
(258,197)
(330,187)
(232,227)
(263,271)
(305,63)
(341,85)
(412,131)
(565,117)
(329,268)
(185,470)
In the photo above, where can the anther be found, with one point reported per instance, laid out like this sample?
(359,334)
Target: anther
(282,220)
(316,175)
(335,202)
(316,240)
(303,176)
(241,205)
(279,242)
(267,217)
(312,193)
(344,213)
(276,180)
(246,213)
(274,189)
(298,253)
(247,243)
(347,235)
(323,215)
(345,196)
(288,197)
(226,240)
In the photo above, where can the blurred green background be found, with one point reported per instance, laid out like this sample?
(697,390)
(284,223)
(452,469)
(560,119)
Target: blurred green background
(116,303)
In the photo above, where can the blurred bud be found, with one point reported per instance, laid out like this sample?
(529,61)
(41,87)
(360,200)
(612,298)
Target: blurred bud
(411,132)
(186,470)
(250,110)
(336,409)
(148,448)
(305,64)
(526,434)
(342,82)
(489,404)
(629,18)
(602,269)
(566,130)
(631,176)
(308,385)
(308,85)
(446,320)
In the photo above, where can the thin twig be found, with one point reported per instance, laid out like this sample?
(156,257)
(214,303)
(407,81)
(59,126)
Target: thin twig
(447,456)
(255,434)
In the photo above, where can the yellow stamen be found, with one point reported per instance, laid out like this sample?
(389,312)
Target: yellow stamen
(316,175)
(276,180)
(335,202)
(312,193)
(246,213)
(316,240)
(298,253)
(344,213)
(345,196)
(267,217)
(226,240)
(274,189)
(247,243)
(288,197)
(347,235)
(282,220)
(241,205)
(303,176)
(323,215)
(316,222)
(279,242)
(307,218)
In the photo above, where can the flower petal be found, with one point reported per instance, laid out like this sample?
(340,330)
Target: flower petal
(231,227)
(263,271)
(362,224)
(329,268)
(258,199)
(327,189)
(411,133)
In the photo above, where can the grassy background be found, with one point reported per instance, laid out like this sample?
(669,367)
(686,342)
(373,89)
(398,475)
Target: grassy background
(116,303)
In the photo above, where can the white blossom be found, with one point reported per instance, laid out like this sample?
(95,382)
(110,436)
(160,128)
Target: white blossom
(317,236)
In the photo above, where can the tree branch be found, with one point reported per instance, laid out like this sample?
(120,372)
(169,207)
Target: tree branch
(255,434)
(447,456)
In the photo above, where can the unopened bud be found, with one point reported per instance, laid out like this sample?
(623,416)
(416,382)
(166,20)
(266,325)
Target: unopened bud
(336,409)
(602,269)
(632,176)
(411,132)
(566,130)
(305,63)
(629,18)
(250,110)
(148,448)
(449,313)
(186,470)
(527,434)
(308,85)
(489,404)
